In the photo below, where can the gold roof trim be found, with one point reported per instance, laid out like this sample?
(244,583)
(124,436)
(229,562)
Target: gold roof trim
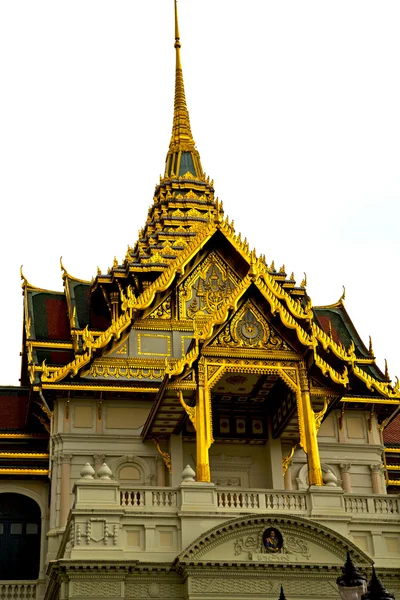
(13,471)
(383,388)
(185,361)
(90,344)
(338,304)
(341,379)
(49,344)
(24,455)
(29,436)
(129,302)
(328,342)
(26,286)
(285,316)
(97,388)
(242,247)
(66,275)
(369,400)
(166,278)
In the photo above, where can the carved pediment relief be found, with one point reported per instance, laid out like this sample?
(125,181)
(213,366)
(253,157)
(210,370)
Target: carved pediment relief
(163,311)
(272,538)
(206,288)
(249,329)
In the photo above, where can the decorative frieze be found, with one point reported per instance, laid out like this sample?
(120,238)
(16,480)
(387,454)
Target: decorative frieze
(144,590)
(100,588)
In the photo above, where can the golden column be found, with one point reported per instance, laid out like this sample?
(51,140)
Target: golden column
(308,429)
(201,417)
(204,437)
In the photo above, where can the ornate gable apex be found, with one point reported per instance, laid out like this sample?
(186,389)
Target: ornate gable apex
(204,287)
(249,329)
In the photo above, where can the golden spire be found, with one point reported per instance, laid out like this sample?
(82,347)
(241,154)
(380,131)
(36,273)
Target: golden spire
(182,155)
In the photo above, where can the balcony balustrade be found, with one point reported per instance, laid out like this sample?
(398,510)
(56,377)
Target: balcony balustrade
(18,590)
(231,500)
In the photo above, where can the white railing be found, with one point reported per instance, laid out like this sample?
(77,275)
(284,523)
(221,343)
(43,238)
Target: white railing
(17,590)
(261,499)
(290,501)
(370,504)
(356,504)
(387,506)
(149,497)
(236,500)
(255,500)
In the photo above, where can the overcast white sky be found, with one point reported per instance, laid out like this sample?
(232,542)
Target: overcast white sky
(295,111)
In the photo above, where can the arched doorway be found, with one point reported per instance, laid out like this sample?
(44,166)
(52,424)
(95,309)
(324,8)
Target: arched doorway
(20,523)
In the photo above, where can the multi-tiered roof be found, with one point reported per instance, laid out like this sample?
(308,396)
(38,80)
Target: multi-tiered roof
(67,333)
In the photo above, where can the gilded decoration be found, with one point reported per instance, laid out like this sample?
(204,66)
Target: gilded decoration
(205,289)
(163,311)
(287,371)
(249,329)
(127,369)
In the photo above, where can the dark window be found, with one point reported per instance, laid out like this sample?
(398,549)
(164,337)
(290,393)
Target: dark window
(19,537)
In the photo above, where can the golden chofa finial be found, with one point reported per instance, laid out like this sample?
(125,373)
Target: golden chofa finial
(387,376)
(25,282)
(304,282)
(63,269)
(371,350)
(343,296)
(23,278)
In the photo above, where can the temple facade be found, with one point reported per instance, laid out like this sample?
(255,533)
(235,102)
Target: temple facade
(189,425)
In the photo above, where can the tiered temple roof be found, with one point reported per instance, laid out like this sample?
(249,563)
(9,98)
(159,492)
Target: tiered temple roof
(67,333)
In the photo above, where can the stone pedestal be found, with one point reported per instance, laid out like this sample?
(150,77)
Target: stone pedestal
(96,520)
(198,507)
(96,494)
(326,501)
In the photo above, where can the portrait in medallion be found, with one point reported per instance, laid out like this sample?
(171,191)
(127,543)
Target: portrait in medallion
(272,540)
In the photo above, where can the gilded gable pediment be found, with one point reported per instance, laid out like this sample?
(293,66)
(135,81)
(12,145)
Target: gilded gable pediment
(206,287)
(248,328)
